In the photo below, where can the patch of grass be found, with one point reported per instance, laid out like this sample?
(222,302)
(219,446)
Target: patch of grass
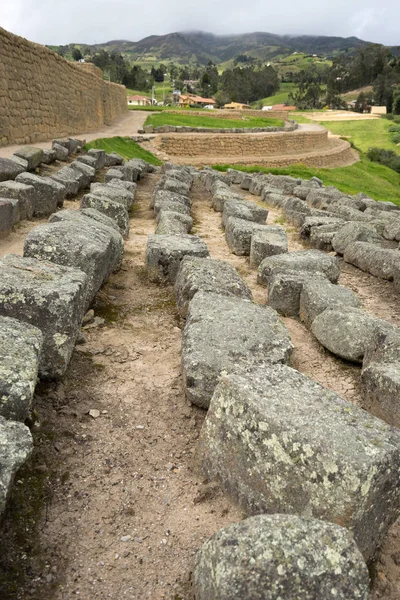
(280,97)
(124,146)
(212,122)
(364,134)
(373,179)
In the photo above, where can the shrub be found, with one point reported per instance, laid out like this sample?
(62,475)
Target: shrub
(389,158)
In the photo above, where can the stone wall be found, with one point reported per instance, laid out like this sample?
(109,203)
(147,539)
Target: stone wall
(42,95)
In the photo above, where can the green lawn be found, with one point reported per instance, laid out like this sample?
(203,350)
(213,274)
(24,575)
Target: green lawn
(125,147)
(280,97)
(207,121)
(364,134)
(373,179)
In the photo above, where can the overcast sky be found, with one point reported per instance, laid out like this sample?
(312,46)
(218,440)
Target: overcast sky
(96,21)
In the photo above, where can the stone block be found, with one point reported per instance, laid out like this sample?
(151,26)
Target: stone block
(9,169)
(87,171)
(48,195)
(242,209)
(15,212)
(71,183)
(97,224)
(113,159)
(173,185)
(111,208)
(62,152)
(380,262)
(268,241)
(50,297)
(161,196)
(33,156)
(16,445)
(354,232)
(311,222)
(284,290)
(165,252)
(322,237)
(238,234)
(99,156)
(49,156)
(22,192)
(223,334)
(347,332)
(115,193)
(284,556)
(206,275)
(20,347)
(113,174)
(173,223)
(279,442)
(6,217)
(86,159)
(317,295)
(303,260)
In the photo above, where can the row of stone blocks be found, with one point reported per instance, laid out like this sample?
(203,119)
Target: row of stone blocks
(332,312)
(43,298)
(149,129)
(278,443)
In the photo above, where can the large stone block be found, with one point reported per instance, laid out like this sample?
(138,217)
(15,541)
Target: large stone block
(61,152)
(49,156)
(161,196)
(317,295)
(354,232)
(99,156)
(281,443)
(6,217)
(49,194)
(113,174)
(303,260)
(206,275)
(284,290)
(221,195)
(71,184)
(113,159)
(113,192)
(49,297)
(281,557)
(267,241)
(321,237)
(380,262)
(238,234)
(88,172)
(311,222)
(173,223)
(165,252)
(224,333)
(347,332)
(15,448)
(33,156)
(88,160)
(22,192)
(20,347)
(72,244)
(9,169)
(171,184)
(248,211)
(111,208)
(98,224)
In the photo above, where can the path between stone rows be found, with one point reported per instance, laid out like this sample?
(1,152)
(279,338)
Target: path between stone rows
(125,510)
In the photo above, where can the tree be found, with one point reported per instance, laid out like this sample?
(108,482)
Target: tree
(77,54)
(396,101)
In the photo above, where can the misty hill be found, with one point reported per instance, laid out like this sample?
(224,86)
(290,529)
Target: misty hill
(198,46)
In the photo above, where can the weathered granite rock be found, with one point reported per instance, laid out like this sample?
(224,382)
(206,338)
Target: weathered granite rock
(9,169)
(86,170)
(113,159)
(48,196)
(303,260)
(22,162)
(50,297)
(62,152)
(380,377)
(392,230)
(280,442)
(22,192)
(267,241)
(15,448)
(224,333)
(238,234)
(49,156)
(99,156)
(243,209)
(113,174)
(347,332)
(173,185)
(161,196)
(20,347)
(173,223)
(311,222)
(317,295)
(127,185)
(33,156)
(372,259)
(284,290)
(118,194)
(98,224)
(321,237)
(321,198)
(354,232)
(206,275)
(71,183)
(86,159)
(15,212)
(6,217)
(165,252)
(71,144)
(246,182)
(114,210)
(280,557)
(222,195)
(285,183)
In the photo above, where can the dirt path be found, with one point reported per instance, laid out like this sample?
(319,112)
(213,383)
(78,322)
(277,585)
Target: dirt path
(124,511)
(127,125)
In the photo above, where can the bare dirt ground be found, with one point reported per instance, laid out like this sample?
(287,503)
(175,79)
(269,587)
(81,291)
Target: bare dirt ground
(111,506)
(336,115)
(127,125)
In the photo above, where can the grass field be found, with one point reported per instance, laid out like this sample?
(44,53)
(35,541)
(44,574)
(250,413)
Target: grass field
(364,134)
(373,179)
(212,122)
(125,147)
